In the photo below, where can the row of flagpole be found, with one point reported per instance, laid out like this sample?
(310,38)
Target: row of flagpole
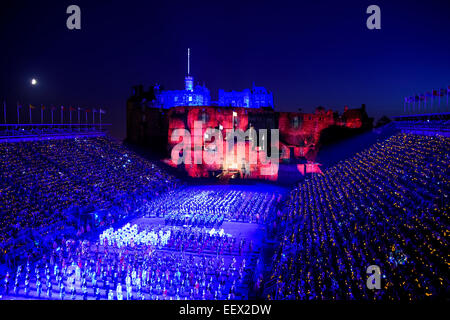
(409,103)
(52,109)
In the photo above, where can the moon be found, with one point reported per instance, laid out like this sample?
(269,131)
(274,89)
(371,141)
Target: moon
(33,82)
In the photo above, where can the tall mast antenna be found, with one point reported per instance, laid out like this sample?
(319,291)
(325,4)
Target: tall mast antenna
(189,57)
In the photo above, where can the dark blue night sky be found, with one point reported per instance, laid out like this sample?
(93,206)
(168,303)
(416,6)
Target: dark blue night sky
(308,53)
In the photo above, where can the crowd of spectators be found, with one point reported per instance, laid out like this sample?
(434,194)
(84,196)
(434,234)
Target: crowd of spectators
(387,206)
(40,181)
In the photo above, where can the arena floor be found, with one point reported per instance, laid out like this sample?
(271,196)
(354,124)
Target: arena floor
(247,231)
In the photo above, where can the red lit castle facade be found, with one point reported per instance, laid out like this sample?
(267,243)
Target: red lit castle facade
(299,133)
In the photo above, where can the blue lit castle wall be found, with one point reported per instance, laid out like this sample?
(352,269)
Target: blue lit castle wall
(234,98)
(260,98)
(190,96)
(196,95)
(257,97)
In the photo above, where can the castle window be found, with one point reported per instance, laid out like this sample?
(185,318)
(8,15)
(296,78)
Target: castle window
(204,117)
(294,122)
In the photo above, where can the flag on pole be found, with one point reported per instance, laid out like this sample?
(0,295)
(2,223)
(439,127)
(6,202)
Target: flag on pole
(42,113)
(101,111)
(416,99)
(442,93)
(448,93)
(93,115)
(52,109)
(19,106)
(31,107)
(70,114)
(405,102)
(433,94)
(422,98)
(411,102)
(427,97)
(87,110)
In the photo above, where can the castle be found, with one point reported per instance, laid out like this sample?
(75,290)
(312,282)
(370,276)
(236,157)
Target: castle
(198,95)
(154,114)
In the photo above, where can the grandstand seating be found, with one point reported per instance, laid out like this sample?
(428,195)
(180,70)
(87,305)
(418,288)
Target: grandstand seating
(40,180)
(386,206)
